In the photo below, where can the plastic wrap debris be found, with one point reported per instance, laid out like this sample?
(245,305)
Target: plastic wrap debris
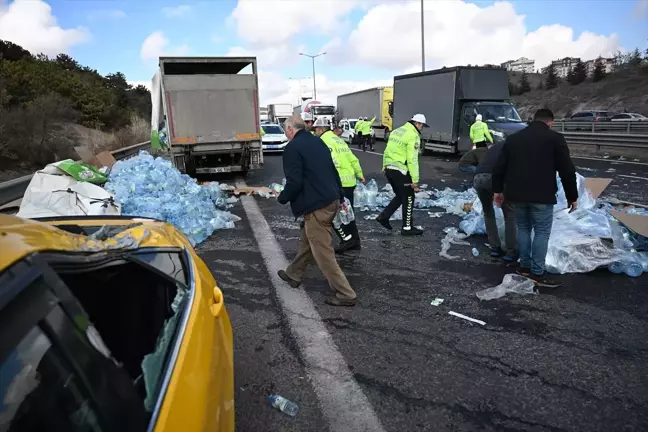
(436,302)
(51,193)
(467,318)
(152,187)
(589,238)
(452,237)
(435,214)
(512,283)
(121,241)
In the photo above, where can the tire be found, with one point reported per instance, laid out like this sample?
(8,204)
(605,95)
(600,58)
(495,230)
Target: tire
(386,138)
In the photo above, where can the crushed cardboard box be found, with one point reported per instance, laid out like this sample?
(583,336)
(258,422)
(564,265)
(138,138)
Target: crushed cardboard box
(103,159)
(634,222)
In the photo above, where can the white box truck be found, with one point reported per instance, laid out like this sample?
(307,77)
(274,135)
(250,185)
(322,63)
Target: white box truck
(211,109)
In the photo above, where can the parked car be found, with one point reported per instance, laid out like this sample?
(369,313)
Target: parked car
(348,131)
(629,117)
(590,116)
(275,139)
(110,324)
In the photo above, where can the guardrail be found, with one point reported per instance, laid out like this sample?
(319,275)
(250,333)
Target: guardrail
(626,127)
(13,190)
(607,140)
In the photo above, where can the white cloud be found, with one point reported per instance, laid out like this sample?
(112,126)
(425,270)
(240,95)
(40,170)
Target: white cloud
(276,88)
(458,33)
(113,14)
(146,84)
(273,22)
(269,57)
(157,45)
(30,24)
(176,11)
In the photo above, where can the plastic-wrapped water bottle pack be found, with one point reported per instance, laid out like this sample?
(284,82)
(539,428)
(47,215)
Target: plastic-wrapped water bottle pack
(152,187)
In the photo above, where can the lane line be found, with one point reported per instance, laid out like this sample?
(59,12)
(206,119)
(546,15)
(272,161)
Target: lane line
(631,176)
(342,401)
(360,150)
(610,160)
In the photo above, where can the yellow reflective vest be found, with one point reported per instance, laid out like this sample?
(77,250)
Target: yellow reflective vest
(479,132)
(346,163)
(402,151)
(365,128)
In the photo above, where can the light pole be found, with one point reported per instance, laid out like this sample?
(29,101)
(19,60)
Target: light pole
(313,57)
(422,38)
(299,81)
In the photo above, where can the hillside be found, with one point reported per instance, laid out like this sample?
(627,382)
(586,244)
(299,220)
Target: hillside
(627,89)
(50,105)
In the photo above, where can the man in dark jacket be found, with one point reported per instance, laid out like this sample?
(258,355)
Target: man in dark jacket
(525,173)
(483,183)
(314,191)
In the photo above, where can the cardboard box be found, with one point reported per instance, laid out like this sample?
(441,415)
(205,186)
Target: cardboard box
(103,159)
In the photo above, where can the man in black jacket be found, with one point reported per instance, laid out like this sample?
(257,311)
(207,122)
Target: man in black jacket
(314,191)
(525,173)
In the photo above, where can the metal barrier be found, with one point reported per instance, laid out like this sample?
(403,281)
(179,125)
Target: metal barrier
(13,190)
(625,127)
(607,140)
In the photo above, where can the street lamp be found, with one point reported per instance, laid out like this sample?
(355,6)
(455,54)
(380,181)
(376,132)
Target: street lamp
(422,39)
(299,80)
(313,57)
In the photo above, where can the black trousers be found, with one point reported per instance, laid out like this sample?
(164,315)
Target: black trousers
(350,229)
(400,183)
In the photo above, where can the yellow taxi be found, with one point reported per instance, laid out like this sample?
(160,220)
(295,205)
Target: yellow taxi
(110,325)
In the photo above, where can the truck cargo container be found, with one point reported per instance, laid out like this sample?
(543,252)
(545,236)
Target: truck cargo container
(278,113)
(450,99)
(375,102)
(212,108)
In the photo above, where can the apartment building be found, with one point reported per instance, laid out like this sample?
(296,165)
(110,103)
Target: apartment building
(522,64)
(608,65)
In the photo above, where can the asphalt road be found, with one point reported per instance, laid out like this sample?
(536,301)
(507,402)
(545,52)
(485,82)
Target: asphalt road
(569,359)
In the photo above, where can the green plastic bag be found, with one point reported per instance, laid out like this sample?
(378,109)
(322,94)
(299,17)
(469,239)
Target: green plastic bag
(82,172)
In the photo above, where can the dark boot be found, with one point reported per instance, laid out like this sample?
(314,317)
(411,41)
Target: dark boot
(382,220)
(340,233)
(353,243)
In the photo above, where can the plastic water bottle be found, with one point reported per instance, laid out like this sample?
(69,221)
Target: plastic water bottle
(475,252)
(372,193)
(360,196)
(284,405)
(344,215)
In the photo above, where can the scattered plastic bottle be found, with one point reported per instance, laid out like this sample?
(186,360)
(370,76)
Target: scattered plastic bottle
(372,193)
(360,196)
(283,405)
(475,252)
(344,215)
(631,267)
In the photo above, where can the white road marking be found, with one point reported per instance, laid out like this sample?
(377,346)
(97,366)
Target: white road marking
(615,161)
(360,150)
(631,176)
(343,403)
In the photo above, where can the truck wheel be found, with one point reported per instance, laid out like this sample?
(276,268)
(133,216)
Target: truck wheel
(386,135)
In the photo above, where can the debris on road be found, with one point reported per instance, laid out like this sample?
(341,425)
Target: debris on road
(512,283)
(436,302)
(283,405)
(453,236)
(458,315)
(152,187)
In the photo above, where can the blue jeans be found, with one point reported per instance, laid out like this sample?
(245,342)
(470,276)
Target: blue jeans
(537,218)
(468,169)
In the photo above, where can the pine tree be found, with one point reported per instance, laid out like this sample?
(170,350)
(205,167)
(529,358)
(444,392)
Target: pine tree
(570,76)
(513,89)
(579,73)
(552,77)
(525,86)
(599,70)
(540,86)
(635,59)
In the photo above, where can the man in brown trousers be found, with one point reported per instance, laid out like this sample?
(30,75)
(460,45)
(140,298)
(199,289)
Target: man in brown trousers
(314,191)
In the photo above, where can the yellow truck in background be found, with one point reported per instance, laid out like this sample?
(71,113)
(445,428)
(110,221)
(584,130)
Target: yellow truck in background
(373,102)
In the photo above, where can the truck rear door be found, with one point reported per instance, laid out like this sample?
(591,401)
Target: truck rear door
(211,100)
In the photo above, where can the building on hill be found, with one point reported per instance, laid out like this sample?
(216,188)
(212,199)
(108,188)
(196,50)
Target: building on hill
(608,65)
(563,66)
(522,64)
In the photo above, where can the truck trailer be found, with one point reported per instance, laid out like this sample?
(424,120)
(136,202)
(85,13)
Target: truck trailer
(211,107)
(375,102)
(450,99)
(278,113)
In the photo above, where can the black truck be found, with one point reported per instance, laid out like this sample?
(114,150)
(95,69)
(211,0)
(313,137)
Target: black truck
(450,99)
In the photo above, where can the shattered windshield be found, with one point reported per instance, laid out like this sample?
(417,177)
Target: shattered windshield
(500,113)
(323,110)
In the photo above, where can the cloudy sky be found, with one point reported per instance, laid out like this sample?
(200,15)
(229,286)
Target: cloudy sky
(367,41)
